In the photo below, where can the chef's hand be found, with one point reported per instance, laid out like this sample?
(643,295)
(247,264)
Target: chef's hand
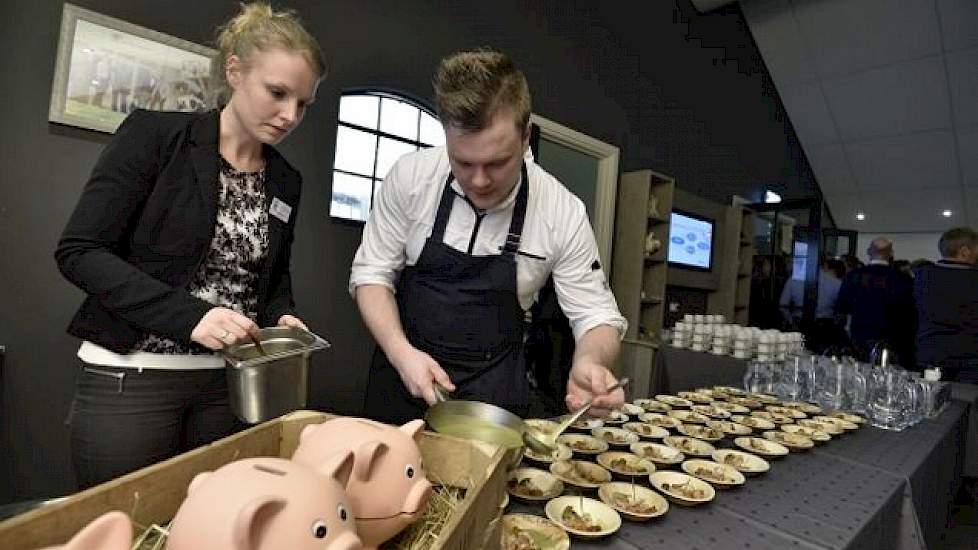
(590,380)
(419,372)
(291,321)
(222,327)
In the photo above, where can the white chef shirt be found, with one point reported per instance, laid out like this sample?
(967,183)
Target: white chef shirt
(557,237)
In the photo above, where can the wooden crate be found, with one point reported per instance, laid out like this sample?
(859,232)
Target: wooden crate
(153,494)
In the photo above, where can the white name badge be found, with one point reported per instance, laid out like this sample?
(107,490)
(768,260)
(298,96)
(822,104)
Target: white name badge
(280,210)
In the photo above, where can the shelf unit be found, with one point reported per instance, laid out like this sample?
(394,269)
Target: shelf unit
(639,279)
(745,266)
(736,262)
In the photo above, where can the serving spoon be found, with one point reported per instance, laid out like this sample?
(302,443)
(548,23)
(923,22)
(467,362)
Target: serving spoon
(546,443)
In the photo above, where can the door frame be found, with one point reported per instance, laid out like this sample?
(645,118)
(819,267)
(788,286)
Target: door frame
(606,188)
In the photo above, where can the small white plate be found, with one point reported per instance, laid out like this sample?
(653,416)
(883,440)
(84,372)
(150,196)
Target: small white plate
(642,467)
(615,436)
(563,452)
(732,408)
(753,422)
(729,427)
(695,397)
(711,411)
(602,514)
(689,445)
(587,424)
(647,431)
(583,444)
(689,417)
(761,446)
(545,482)
(705,433)
(651,405)
(657,453)
(817,436)
(542,532)
(615,417)
(665,482)
(568,472)
(674,401)
(707,470)
(612,494)
(745,463)
(794,442)
(830,428)
(660,420)
(632,410)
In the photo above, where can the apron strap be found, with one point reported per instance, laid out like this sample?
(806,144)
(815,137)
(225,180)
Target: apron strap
(519,213)
(444,209)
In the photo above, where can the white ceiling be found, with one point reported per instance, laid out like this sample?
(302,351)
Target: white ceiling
(883,95)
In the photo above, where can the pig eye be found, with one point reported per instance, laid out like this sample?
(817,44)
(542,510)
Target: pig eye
(409,471)
(319,529)
(341,511)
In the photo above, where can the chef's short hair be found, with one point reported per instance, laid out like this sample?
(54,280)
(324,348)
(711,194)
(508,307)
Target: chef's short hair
(472,86)
(953,240)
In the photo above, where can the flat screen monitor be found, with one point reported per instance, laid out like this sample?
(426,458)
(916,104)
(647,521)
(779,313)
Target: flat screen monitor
(691,241)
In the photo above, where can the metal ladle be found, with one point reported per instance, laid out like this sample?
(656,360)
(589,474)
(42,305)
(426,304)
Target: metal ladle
(546,443)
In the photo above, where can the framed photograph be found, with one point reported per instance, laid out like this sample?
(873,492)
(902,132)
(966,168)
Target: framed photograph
(107,67)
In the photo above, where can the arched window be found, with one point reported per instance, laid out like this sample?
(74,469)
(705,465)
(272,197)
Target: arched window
(375,128)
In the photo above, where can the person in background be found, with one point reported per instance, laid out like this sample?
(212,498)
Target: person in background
(903,266)
(466,235)
(919,262)
(879,302)
(824,331)
(182,242)
(946,294)
(852,262)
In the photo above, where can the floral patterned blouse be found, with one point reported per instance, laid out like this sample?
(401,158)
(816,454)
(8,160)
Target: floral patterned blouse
(228,276)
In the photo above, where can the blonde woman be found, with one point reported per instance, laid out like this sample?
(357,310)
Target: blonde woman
(181,240)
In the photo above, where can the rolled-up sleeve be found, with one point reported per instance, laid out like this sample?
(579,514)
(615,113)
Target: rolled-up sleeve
(580,282)
(381,255)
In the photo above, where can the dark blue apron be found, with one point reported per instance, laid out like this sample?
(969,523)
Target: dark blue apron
(464,312)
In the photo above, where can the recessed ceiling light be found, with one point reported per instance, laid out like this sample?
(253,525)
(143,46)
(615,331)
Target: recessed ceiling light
(860,216)
(771,197)
(946,213)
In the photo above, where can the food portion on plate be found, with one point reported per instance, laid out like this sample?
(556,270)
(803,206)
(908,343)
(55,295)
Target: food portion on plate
(529,532)
(744,462)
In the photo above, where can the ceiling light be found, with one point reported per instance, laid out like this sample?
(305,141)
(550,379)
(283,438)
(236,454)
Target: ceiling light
(860,216)
(771,197)
(946,213)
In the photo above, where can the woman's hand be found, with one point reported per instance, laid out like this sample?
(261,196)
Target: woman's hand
(291,321)
(221,327)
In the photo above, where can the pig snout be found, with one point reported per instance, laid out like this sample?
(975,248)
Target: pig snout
(417,497)
(346,541)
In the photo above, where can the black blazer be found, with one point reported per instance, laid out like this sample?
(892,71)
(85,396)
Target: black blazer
(144,223)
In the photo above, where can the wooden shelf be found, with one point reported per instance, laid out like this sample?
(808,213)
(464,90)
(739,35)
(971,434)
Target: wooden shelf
(652,300)
(656,259)
(658,219)
(743,275)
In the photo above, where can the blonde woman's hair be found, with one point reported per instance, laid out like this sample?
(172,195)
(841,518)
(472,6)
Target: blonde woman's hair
(472,86)
(259,28)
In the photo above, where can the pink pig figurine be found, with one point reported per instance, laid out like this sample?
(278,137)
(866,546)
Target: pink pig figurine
(267,504)
(110,531)
(388,489)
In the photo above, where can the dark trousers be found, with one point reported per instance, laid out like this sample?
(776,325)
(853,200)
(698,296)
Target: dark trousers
(123,419)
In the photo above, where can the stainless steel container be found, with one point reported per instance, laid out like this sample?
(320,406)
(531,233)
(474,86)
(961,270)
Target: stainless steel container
(263,387)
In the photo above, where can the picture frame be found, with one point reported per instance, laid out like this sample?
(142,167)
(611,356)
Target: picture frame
(107,67)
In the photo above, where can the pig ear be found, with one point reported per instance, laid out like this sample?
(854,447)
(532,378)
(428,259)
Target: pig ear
(111,531)
(367,455)
(251,520)
(413,428)
(198,479)
(339,467)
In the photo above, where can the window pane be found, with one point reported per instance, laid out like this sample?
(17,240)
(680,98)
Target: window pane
(389,151)
(351,197)
(360,110)
(355,151)
(399,118)
(432,132)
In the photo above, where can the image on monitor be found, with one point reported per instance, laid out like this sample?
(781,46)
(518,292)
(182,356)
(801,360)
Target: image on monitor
(691,241)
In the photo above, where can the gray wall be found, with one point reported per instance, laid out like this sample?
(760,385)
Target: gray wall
(681,93)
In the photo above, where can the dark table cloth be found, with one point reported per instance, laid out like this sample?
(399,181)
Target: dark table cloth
(872,489)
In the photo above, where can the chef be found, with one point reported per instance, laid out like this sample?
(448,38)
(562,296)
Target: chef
(460,240)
